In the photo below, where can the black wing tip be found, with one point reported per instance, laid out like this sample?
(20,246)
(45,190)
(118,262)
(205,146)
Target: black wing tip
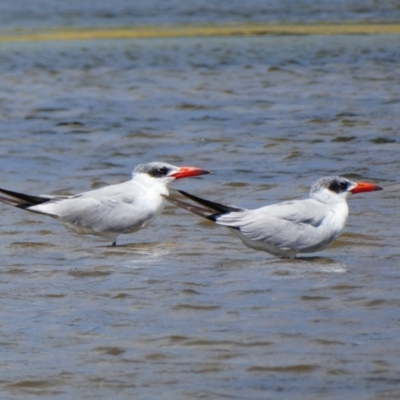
(187,194)
(24,198)
(220,208)
(15,203)
(202,212)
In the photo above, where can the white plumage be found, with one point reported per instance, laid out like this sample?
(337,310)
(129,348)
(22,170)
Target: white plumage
(288,228)
(112,210)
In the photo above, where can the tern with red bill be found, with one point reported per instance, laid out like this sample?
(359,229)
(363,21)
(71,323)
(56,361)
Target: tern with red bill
(112,210)
(288,228)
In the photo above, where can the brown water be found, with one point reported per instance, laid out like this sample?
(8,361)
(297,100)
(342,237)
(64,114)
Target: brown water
(182,310)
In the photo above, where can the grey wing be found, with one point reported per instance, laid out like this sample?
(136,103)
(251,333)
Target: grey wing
(290,225)
(113,209)
(54,197)
(108,215)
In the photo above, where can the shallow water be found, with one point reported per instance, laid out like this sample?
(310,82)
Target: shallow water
(182,310)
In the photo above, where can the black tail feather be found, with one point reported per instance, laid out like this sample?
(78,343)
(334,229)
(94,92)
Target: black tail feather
(14,203)
(220,208)
(27,200)
(203,212)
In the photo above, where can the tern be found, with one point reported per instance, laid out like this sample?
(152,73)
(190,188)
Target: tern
(112,210)
(291,227)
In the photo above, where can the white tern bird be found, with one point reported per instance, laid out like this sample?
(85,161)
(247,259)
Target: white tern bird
(112,210)
(291,227)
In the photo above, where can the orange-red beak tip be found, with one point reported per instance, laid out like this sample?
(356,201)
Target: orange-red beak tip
(365,187)
(186,172)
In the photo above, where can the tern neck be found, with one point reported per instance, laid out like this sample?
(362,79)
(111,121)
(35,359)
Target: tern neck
(150,183)
(329,198)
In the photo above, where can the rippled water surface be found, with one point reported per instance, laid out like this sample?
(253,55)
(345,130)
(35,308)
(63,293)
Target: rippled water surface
(50,13)
(182,310)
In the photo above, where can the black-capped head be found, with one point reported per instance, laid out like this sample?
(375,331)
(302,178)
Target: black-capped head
(155,169)
(167,172)
(335,184)
(329,188)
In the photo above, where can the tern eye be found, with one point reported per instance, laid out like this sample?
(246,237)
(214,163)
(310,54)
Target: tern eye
(163,170)
(338,186)
(158,172)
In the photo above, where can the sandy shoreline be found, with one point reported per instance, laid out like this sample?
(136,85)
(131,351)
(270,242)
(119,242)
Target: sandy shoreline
(256,29)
